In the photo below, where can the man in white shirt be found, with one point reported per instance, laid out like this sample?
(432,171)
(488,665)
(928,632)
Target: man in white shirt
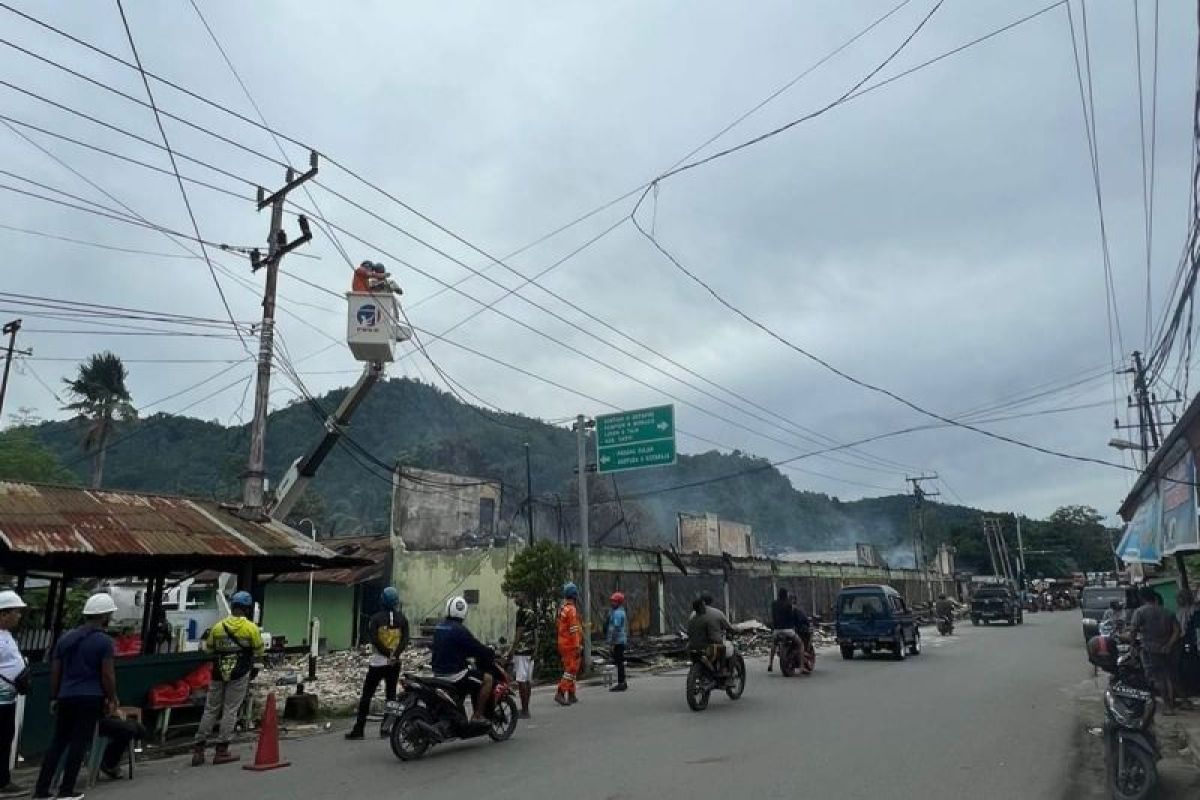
(12,664)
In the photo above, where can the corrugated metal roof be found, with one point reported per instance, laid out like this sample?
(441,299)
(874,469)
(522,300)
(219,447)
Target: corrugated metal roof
(376,549)
(73,524)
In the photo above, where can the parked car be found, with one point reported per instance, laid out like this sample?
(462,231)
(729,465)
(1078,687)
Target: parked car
(874,617)
(1093,602)
(996,603)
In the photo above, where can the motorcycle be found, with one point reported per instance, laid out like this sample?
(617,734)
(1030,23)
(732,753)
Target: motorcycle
(704,678)
(433,711)
(1131,751)
(792,654)
(945,625)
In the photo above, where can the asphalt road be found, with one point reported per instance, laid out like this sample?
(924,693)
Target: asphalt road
(987,713)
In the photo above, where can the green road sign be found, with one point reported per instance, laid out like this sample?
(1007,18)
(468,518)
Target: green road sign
(635,439)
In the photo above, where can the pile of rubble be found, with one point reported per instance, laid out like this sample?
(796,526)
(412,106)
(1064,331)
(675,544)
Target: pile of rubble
(339,676)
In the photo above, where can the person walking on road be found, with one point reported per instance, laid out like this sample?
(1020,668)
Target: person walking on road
(1158,632)
(524,647)
(388,630)
(12,665)
(83,688)
(617,636)
(237,647)
(570,645)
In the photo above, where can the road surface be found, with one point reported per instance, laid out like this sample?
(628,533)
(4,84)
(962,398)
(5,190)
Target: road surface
(988,713)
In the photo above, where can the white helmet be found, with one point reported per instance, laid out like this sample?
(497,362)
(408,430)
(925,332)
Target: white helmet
(10,599)
(456,608)
(98,605)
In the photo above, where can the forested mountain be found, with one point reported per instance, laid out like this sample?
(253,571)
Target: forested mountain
(418,425)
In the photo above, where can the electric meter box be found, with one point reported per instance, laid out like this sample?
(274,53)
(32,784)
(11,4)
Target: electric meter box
(372,325)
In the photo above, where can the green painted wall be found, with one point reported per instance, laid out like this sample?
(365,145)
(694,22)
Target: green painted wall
(427,579)
(285,610)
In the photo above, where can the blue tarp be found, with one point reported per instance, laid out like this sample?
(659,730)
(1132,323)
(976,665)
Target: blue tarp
(1142,540)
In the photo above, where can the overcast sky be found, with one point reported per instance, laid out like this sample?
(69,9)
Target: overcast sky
(938,236)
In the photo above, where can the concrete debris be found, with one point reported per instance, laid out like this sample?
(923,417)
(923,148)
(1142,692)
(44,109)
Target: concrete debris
(339,677)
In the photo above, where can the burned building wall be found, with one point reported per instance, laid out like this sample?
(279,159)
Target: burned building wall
(708,534)
(440,511)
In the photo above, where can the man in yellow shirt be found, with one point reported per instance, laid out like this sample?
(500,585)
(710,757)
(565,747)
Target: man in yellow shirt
(237,647)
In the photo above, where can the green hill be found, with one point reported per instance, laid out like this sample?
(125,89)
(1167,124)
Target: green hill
(421,426)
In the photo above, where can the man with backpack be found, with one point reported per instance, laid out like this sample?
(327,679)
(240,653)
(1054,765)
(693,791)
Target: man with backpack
(389,635)
(14,681)
(237,646)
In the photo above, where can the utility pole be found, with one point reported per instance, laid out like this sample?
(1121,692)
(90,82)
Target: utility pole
(582,424)
(278,246)
(987,538)
(1021,551)
(10,329)
(919,494)
(529,494)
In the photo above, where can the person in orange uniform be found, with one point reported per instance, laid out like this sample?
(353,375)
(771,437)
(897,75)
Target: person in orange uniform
(570,645)
(364,273)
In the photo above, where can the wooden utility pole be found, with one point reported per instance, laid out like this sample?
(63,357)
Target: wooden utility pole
(10,329)
(253,493)
(919,494)
(582,424)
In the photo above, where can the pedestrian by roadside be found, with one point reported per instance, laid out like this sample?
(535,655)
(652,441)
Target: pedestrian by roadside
(524,647)
(13,678)
(570,645)
(1158,631)
(389,634)
(83,688)
(237,647)
(1188,673)
(617,636)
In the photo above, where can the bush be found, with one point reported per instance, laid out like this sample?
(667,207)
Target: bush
(539,573)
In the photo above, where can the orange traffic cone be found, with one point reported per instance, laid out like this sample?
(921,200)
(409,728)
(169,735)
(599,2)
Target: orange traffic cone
(266,755)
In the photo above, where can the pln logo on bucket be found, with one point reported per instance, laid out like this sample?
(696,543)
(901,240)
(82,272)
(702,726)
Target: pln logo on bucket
(368,315)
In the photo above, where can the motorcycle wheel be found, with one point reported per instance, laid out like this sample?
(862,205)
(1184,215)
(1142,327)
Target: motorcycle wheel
(737,682)
(914,647)
(787,664)
(504,720)
(408,740)
(697,689)
(809,662)
(847,651)
(1138,779)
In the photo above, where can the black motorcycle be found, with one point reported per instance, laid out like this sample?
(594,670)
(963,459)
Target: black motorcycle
(1131,752)
(704,677)
(433,711)
(945,625)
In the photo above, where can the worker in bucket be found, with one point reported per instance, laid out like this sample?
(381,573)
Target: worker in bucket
(237,647)
(570,645)
(389,634)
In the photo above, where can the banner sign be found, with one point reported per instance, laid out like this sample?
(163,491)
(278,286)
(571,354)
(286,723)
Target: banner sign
(1142,542)
(1177,488)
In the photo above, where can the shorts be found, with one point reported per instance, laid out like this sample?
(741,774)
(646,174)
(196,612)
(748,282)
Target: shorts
(523,669)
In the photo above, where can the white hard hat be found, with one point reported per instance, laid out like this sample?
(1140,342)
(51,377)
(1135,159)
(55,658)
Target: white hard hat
(99,604)
(10,599)
(456,608)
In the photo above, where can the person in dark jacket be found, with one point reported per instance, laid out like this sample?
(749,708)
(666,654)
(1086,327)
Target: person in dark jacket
(453,645)
(83,688)
(783,621)
(389,634)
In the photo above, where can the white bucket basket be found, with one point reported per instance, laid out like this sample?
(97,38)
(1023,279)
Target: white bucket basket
(373,325)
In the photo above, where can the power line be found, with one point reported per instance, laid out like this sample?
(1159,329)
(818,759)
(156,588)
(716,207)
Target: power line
(861,383)
(85,243)
(175,168)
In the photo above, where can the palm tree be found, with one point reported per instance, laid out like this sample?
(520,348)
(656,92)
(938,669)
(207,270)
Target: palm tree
(100,396)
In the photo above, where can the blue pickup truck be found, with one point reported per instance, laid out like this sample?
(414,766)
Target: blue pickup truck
(874,618)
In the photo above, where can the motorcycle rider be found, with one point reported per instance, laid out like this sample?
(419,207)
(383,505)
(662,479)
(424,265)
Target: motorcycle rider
(453,644)
(785,624)
(944,607)
(717,625)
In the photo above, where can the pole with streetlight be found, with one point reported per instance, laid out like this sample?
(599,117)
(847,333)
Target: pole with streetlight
(313,623)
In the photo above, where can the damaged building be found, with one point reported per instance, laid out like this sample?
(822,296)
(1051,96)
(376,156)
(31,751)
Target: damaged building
(708,534)
(440,511)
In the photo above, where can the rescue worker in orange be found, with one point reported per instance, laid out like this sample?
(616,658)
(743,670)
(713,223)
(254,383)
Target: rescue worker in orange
(570,645)
(364,274)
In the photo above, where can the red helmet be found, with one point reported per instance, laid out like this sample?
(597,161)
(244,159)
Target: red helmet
(617,598)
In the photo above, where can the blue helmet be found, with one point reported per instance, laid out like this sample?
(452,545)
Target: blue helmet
(242,600)
(570,590)
(390,597)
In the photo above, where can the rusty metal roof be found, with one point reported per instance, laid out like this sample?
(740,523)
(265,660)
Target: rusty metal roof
(375,549)
(94,532)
